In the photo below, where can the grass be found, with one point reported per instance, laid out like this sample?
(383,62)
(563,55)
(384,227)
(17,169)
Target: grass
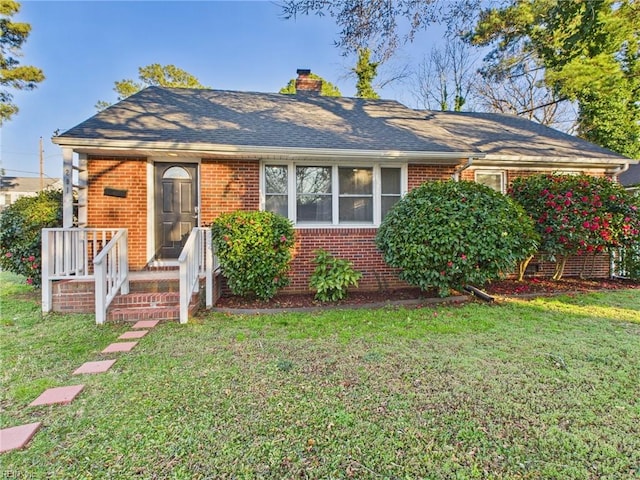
(546,388)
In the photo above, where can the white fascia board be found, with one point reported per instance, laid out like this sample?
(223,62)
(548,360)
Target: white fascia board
(543,161)
(205,150)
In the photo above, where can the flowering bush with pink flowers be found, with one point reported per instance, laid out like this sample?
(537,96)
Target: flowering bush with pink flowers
(254,250)
(21,224)
(578,214)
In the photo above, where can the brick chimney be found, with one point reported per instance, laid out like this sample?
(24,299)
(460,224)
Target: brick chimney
(305,85)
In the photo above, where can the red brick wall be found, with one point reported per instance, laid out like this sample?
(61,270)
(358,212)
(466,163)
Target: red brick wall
(589,266)
(354,244)
(228,185)
(418,174)
(104,211)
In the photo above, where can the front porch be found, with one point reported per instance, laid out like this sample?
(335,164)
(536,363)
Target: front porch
(85,270)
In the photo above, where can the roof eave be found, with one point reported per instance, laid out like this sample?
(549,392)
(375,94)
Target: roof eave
(606,163)
(93,146)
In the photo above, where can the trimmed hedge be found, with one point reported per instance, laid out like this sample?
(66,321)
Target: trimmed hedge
(448,234)
(254,250)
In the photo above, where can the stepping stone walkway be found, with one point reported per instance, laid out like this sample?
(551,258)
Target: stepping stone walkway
(94,367)
(120,347)
(13,438)
(62,395)
(146,324)
(133,334)
(17,437)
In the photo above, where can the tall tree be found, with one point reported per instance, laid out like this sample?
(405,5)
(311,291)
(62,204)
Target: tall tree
(445,79)
(366,71)
(153,75)
(12,74)
(328,88)
(590,52)
(383,24)
(524,93)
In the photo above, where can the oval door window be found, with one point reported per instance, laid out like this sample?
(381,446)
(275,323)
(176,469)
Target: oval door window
(176,172)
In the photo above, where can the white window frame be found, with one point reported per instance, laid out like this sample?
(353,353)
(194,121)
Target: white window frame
(335,189)
(502,173)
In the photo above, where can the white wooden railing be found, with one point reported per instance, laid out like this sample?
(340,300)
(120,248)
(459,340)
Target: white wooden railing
(81,254)
(195,261)
(111,273)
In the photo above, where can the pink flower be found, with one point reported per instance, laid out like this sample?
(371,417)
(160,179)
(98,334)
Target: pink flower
(8,255)
(449,264)
(463,256)
(283,239)
(29,281)
(31,258)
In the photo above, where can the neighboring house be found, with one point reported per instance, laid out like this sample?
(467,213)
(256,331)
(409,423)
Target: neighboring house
(631,178)
(12,188)
(164,161)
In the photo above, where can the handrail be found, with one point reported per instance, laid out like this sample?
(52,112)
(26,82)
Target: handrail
(196,260)
(68,253)
(111,272)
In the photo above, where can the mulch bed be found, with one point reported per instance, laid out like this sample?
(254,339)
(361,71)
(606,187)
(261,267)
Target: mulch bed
(530,286)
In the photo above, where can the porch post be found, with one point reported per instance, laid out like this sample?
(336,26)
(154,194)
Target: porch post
(47,297)
(208,271)
(67,188)
(83,185)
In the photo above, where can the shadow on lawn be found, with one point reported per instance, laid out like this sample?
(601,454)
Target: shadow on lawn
(623,307)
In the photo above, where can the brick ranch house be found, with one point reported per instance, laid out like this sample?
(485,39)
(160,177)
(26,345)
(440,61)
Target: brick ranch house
(165,161)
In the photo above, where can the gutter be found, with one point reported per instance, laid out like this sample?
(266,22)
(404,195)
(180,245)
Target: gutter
(203,149)
(456,173)
(621,169)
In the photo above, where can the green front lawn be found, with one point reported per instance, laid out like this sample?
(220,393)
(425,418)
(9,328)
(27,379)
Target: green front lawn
(540,389)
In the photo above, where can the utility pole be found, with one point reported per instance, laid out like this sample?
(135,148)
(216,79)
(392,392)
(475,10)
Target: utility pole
(41,166)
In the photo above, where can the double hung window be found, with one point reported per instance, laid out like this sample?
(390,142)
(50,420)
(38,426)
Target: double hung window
(332,194)
(491,178)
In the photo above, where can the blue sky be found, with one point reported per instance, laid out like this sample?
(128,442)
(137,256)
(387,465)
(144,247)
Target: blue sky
(84,46)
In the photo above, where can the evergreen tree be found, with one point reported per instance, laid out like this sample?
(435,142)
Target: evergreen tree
(12,74)
(591,55)
(153,75)
(366,70)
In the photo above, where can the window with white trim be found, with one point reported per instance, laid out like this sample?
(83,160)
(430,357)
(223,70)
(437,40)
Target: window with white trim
(491,178)
(332,194)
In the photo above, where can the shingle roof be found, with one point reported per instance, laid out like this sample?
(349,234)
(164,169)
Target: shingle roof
(217,117)
(631,177)
(26,184)
(499,135)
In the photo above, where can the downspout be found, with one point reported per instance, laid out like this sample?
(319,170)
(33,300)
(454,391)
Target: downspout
(620,169)
(456,173)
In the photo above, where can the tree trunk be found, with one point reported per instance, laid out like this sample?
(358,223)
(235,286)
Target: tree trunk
(522,267)
(560,268)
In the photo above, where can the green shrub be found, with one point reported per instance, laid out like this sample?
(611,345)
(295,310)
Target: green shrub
(254,250)
(578,214)
(21,224)
(448,234)
(332,277)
